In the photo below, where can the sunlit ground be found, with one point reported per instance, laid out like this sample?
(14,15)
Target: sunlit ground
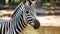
(52,20)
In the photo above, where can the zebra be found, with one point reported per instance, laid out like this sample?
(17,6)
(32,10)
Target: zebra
(24,14)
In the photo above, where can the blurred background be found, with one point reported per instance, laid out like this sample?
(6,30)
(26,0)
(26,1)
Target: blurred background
(48,13)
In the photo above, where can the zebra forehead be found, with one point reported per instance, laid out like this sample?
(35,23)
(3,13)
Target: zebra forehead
(30,8)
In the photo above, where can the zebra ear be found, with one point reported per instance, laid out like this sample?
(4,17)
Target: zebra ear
(34,2)
(27,2)
(30,2)
(24,1)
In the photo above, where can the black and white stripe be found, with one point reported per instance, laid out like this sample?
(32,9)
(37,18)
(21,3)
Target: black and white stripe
(23,15)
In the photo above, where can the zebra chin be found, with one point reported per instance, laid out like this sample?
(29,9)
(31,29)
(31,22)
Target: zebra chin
(36,24)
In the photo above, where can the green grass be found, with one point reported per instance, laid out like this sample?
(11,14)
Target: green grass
(30,30)
(46,4)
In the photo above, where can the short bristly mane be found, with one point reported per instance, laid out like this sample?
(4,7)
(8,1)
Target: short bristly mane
(21,3)
(15,10)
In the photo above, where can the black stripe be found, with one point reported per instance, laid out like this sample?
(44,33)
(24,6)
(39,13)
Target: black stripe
(16,31)
(1,29)
(4,30)
(28,17)
(20,24)
(9,24)
(13,32)
(18,28)
(23,23)
(30,20)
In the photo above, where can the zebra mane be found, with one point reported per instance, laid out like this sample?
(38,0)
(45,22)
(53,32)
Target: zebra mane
(15,10)
(22,3)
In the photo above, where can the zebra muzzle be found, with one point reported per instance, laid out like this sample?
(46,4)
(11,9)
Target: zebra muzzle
(36,24)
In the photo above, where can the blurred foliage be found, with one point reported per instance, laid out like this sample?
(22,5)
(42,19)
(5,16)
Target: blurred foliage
(15,1)
(46,4)
(10,1)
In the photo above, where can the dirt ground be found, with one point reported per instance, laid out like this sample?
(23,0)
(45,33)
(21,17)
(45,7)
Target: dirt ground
(52,20)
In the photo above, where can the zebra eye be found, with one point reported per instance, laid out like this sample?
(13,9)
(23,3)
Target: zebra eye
(27,11)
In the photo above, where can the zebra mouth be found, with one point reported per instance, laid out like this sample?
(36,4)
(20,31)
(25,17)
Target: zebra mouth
(36,24)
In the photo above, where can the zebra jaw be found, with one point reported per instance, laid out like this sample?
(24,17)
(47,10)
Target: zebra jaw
(36,24)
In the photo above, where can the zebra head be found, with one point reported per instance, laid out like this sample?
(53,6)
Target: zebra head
(30,15)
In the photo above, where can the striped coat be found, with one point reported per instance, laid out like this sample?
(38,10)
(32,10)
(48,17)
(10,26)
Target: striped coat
(24,14)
